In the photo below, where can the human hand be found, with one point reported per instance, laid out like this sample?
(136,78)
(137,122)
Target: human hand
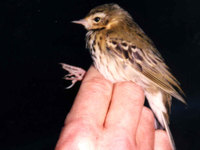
(108,116)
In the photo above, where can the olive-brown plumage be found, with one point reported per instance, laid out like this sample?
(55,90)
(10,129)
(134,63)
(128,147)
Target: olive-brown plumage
(121,51)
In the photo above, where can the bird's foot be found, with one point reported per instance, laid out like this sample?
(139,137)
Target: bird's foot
(75,74)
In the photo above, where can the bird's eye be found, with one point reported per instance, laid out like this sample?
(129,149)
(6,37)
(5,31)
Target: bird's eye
(96,19)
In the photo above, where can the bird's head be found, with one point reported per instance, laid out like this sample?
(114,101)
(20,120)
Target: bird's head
(104,17)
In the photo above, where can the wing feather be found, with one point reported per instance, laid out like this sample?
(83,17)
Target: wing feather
(148,62)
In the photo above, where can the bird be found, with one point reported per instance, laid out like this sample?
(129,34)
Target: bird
(121,51)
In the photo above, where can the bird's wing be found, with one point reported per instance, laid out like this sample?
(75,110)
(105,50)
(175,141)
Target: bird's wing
(146,61)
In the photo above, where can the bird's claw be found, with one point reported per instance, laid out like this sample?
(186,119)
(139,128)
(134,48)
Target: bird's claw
(75,74)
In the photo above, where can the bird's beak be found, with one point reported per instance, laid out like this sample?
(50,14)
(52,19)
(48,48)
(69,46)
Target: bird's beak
(82,21)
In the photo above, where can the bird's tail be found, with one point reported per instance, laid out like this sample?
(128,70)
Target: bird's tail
(160,104)
(166,126)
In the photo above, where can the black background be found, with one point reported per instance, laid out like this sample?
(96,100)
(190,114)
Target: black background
(37,35)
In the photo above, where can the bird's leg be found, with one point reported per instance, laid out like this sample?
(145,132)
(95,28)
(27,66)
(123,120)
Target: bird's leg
(75,74)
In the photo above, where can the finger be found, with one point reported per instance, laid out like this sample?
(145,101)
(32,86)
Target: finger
(126,106)
(92,100)
(146,130)
(161,140)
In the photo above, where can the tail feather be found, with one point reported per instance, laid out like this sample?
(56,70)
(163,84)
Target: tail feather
(160,104)
(166,126)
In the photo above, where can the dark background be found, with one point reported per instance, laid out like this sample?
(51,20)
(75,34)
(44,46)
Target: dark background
(37,35)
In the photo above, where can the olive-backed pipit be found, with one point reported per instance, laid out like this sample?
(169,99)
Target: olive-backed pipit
(121,51)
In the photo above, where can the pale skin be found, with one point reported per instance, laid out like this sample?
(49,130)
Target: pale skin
(108,116)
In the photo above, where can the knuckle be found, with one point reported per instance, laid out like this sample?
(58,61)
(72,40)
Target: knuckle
(132,89)
(97,84)
(148,114)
